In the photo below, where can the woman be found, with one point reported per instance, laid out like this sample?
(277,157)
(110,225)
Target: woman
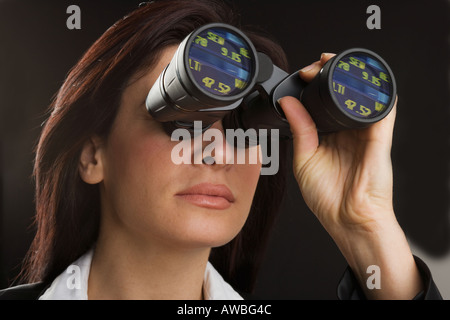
(116,219)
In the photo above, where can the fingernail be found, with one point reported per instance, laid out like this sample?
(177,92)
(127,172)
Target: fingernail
(308,68)
(326,56)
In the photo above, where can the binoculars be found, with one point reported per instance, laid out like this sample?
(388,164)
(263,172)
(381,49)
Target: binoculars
(216,74)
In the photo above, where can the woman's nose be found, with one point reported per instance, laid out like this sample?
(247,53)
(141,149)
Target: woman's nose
(215,150)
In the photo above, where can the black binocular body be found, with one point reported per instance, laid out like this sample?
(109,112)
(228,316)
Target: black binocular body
(216,74)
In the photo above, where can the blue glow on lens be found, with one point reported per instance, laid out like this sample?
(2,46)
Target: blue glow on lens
(362,85)
(221,62)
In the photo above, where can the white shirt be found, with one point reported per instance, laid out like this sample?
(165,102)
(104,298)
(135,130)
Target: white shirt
(72,284)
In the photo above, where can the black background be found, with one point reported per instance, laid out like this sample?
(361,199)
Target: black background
(37,50)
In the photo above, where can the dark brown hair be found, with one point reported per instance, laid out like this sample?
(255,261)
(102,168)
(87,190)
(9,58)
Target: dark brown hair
(67,209)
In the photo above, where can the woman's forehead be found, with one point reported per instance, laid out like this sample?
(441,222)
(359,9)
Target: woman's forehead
(141,83)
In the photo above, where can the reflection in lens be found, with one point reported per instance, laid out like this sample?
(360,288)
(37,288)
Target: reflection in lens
(362,86)
(220,62)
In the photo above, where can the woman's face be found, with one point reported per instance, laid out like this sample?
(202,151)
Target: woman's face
(147,195)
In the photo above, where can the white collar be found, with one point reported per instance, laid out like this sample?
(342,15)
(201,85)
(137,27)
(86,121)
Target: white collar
(72,284)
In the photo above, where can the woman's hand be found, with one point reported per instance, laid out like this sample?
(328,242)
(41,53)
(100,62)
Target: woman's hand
(346,180)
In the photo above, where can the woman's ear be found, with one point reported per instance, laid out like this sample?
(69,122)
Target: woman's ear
(91,165)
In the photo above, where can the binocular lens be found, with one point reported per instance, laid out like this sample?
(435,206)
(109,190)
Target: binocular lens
(362,86)
(354,89)
(221,62)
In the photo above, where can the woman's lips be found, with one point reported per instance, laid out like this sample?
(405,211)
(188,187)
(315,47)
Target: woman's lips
(208,195)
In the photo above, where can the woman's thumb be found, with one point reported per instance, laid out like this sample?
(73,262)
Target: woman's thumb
(303,128)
